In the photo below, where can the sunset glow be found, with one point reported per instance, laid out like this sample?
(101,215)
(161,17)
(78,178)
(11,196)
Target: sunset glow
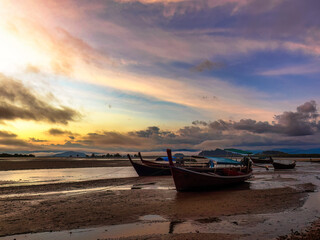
(130,75)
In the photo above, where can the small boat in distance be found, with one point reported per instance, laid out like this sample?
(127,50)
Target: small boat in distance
(188,180)
(278,165)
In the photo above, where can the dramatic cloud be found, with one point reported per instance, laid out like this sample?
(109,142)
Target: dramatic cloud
(37,140)
(57,132)
(111,139)
(288,129)
(10,140)
(19,102)
(7,134)
(153,132)
(302,122)
(299,123)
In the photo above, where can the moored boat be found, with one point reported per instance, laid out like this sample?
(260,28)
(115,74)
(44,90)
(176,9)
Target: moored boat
(150,168)
(278,165)
(188,180)
(205,166)
(147,170)
(261,160)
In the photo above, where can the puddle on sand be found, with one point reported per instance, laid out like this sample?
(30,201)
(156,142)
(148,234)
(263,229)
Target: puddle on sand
(304,173)
(153,218)
(257,226)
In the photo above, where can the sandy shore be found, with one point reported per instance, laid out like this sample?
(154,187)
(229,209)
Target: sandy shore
(38,213)
(105,202)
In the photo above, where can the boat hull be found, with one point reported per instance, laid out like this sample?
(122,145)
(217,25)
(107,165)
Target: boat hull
(145,170)
(187,180)
(262,161)
(278,165)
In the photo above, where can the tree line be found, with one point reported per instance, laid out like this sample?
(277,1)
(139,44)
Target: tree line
(16,155)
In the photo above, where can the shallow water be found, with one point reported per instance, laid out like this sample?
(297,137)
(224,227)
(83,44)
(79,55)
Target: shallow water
(47,176)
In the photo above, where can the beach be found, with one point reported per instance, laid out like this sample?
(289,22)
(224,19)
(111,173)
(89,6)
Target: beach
(272,204)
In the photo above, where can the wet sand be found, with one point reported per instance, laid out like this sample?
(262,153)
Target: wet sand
(20,214)
(105,202)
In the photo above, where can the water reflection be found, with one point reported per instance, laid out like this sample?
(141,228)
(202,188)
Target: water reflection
(41,176)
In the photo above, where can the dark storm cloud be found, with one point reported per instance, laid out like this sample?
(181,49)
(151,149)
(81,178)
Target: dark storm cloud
(19,102)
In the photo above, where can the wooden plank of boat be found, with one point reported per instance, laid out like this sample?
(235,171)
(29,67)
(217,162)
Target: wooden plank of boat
(145,170)
(278,165)
(186,180)
(150,163)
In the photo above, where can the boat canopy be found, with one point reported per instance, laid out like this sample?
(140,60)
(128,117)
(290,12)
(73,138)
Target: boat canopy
(238,151)
(165,159)
(220,160)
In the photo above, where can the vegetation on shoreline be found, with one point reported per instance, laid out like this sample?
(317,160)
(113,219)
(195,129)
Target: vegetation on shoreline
(16,155)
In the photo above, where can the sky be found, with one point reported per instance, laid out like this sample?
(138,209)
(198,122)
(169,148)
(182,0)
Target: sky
(146,75)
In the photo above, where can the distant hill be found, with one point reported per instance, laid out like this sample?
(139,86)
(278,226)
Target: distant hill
(213,153)
(270,153)
(70,154)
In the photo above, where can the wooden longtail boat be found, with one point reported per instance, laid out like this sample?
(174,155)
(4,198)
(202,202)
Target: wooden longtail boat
(262,160)
(278,165)
(149,168)
(186,180)
(204,167)
(146,170)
